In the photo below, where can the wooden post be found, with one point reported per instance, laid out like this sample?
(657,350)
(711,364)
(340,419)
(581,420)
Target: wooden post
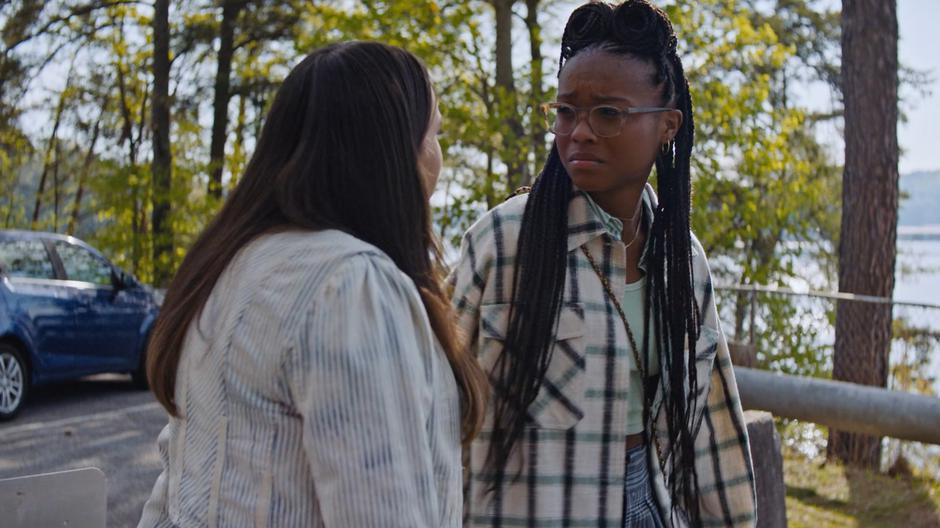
(768,470)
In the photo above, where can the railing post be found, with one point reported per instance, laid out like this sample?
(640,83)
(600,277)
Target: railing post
(768,469)
(751,339)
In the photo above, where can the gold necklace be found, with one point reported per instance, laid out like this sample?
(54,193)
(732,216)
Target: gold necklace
(629,221)
(636,233)
(639,207)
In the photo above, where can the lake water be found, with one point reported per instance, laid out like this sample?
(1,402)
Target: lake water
(918,280)
(918,272)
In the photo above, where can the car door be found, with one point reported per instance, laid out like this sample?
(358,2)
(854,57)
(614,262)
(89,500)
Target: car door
(110,319)
(42,307)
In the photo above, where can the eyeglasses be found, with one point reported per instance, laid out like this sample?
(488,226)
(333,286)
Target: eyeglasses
(604,120)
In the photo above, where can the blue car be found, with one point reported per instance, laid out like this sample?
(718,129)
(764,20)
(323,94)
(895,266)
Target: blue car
(66,312)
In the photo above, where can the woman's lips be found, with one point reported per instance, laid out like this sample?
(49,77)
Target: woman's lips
(580,160)
(584,164)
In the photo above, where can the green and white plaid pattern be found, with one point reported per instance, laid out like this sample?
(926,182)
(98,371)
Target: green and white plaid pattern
(568,468)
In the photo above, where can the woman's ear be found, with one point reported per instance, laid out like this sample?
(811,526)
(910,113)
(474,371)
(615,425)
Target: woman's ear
(671,122)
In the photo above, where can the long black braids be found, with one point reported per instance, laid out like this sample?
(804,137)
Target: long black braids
(638,29)
(538,284)
(671,298)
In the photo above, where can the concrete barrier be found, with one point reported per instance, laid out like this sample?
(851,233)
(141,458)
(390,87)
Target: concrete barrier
(76,498)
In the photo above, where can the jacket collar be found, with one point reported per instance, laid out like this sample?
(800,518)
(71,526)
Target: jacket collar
(583,224)
(586,221)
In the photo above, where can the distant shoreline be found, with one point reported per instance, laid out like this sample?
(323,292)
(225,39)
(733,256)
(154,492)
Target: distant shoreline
(920,232)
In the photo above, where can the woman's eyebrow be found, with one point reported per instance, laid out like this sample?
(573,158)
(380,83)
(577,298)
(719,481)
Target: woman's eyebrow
(601,98)
(610,98)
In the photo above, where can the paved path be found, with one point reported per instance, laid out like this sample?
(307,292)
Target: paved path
(99,421)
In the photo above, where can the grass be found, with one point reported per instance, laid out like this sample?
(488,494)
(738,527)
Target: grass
(822,495)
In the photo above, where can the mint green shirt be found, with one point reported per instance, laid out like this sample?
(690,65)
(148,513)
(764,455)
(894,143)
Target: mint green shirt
(634,298)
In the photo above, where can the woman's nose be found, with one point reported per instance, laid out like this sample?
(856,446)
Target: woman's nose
(582,129)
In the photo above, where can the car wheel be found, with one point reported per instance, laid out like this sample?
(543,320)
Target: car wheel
(14,381)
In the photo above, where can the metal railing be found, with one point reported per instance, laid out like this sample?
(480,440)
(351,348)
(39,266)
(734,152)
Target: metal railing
(906,411)
(843,406)
(836,296)
(755,329)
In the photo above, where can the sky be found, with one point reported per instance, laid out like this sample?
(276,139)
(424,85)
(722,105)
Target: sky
(919,48)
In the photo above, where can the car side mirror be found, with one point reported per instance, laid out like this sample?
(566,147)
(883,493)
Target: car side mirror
(118,280)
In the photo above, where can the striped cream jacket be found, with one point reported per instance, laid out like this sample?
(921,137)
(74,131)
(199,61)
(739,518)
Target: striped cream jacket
(313,394)
(572,456)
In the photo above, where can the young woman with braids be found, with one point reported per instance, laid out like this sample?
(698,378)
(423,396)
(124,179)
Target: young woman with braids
(590,304)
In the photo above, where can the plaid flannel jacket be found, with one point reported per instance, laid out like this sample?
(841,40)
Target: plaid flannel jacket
(570,463)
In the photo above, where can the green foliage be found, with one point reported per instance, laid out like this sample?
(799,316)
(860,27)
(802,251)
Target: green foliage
(450,37)
(910,361)
(766,198)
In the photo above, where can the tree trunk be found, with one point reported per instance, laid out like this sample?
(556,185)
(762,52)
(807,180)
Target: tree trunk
(238,148)
(504,76)
(230,11)
(506,93)
(490,195)
(161,166)
(537,122)
(741,306)
(867,246)
(135,230)
(86,166)
(51,150)
(140,199)
(56,190)
(259,101)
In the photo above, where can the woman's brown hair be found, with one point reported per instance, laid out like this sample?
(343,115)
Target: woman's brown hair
(339,150)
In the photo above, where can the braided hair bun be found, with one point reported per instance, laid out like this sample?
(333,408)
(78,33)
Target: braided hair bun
(644,28)
(588,26)
(635,26)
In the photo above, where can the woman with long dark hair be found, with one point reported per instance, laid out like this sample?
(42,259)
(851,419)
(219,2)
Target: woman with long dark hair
(306,351)
(590,304)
